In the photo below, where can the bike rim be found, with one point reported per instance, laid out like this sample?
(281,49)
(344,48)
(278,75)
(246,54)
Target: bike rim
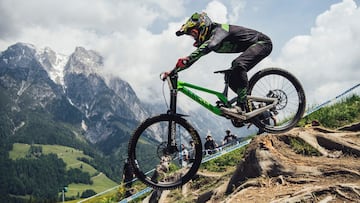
(283,86)
(155,163)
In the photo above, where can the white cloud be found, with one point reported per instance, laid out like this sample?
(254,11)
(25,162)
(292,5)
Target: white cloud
(121,32)
(217,11)
(327,60)
(237,8)
(101,16)
(171,7)
(145,55)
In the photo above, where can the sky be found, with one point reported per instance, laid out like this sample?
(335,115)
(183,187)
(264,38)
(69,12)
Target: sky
(317,41)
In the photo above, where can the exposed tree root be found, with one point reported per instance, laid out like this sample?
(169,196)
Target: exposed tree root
(274,169)
(271,162)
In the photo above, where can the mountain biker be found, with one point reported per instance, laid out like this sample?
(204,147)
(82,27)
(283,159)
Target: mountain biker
(224,38)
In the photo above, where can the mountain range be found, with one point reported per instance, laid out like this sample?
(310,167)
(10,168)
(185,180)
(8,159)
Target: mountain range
(74,97)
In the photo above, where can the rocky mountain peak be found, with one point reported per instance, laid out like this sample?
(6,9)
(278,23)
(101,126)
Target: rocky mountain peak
(23,48)
(18,55)
(53,63)
(84,61)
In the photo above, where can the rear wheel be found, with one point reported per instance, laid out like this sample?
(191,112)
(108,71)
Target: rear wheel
(280,84)
(158,162)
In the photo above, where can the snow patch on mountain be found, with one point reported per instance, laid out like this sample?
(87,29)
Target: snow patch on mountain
(54,63)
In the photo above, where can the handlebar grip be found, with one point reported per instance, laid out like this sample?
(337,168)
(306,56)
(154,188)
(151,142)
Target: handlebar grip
(165,75)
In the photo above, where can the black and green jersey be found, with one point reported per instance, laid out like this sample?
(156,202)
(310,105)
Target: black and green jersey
(225,38)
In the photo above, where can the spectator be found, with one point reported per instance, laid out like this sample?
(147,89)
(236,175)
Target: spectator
(229,137)
(128,176)
(210,144)
(184,155)
(192,151)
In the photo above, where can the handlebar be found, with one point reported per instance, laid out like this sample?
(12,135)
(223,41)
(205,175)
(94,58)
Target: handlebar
(165,75)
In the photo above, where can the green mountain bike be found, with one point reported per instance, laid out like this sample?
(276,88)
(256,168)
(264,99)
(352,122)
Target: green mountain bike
(165,151)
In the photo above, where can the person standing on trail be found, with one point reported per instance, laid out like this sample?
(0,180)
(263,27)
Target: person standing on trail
(224,38)
(229,137)
(192,151)
(184,155)
(210,145)
(128,176)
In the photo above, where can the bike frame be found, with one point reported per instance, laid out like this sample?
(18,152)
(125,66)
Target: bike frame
(175,85)
(182,87)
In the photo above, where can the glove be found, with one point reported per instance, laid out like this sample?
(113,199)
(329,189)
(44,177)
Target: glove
(164,75)
(182,62)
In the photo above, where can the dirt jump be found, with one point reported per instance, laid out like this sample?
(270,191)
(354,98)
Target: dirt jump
(310,164)
(276,169)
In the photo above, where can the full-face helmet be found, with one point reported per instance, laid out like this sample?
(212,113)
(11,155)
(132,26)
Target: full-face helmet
(198,26)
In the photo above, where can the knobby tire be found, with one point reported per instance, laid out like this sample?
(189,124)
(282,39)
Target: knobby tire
(291,90)
(140,135)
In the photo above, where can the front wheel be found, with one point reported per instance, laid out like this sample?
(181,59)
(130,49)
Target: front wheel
(160,161)
(280,84)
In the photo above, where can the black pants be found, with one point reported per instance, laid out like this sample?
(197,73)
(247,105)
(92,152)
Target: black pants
(246,61)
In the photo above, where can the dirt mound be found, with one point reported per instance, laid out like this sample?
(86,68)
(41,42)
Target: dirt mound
(303,165)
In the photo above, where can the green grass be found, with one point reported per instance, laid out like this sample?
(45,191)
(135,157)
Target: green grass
(19,151)
(301,147)
(100,184)
(336,115)
(222,163)
(70,156)
(67,154)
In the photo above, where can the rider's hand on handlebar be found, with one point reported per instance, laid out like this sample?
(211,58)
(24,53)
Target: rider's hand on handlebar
(164,75)
(182,62)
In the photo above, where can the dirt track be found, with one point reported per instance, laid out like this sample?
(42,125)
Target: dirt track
(272,172)
(274,169)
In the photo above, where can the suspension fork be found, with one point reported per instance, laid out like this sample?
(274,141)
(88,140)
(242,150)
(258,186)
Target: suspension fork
(172,82)
(173,93)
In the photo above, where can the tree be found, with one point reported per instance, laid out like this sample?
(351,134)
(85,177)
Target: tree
(87,193)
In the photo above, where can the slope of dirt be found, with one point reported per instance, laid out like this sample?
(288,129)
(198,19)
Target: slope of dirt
(272,171)
(276,169)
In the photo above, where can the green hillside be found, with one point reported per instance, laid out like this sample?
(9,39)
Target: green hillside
(69,155)
(342,113)
(72,158)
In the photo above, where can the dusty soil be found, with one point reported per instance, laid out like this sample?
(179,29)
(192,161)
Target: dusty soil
(272,171)
(276,169)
